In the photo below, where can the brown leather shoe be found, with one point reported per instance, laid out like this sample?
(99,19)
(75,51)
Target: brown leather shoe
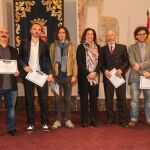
(132,123)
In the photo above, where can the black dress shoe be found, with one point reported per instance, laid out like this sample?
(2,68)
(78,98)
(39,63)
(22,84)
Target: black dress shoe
(84,125)
(13,132)
(109,122)
(124,125)
(94,124)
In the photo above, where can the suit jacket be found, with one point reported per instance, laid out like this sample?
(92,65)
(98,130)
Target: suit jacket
(14,56)
(44,57)
(134,53)
(119,59)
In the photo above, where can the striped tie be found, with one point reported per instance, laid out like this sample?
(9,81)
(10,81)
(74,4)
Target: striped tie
(111,50)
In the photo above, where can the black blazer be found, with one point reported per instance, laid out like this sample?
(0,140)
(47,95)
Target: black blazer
(119,59)
(14,56)
(44,57)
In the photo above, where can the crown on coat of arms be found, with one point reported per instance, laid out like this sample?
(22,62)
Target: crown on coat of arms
(39,21)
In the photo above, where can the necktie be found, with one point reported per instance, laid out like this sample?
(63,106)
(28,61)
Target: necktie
(111,49)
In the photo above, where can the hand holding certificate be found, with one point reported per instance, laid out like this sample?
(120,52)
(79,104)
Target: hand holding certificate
(115,80)
(37,77)
(55,87)
(8,66)
(144,83)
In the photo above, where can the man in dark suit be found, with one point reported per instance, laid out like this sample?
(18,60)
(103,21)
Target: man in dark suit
(114,56)
(8,83)
(34,54)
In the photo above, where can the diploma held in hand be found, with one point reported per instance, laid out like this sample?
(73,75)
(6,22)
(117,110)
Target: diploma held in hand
(115,80)
(8,66)
(37,77)
(55,87)
(144,83)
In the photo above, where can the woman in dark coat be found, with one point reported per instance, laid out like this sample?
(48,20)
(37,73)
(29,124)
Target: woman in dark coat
(89,64)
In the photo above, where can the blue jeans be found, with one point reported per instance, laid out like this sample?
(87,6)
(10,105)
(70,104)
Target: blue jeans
(134,104)
(10,102)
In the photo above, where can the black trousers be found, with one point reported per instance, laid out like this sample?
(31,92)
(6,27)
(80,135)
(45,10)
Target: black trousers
(121,101)
(88,105)
(42,94)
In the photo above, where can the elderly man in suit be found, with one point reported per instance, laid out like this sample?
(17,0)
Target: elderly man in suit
(139,57)
(114,56)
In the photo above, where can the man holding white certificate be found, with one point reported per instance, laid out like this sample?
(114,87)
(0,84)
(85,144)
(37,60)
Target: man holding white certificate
(114,66)
(8,83)
(36,69)
(139,57)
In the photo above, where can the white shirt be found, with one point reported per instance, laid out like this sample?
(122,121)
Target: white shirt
(113,46)
(142,47)
(34,56)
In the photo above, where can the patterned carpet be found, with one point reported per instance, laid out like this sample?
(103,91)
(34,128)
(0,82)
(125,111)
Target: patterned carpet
(102,138)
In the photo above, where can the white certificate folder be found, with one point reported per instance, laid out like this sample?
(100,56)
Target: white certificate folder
(55,87)
(8,66)
(37,77)
(115,80)
(144,83)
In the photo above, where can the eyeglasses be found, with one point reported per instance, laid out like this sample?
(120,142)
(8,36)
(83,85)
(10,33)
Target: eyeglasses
(141,34)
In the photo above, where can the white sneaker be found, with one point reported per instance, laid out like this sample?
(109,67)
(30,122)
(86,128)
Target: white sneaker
(56,124)
(45,127)
(30,128)
(69,124)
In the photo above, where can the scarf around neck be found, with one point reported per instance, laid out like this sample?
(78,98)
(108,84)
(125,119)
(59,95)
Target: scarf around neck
(61,54)
(91,59)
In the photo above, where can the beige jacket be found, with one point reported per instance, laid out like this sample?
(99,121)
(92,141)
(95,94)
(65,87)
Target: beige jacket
(71,61)
(135,57)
